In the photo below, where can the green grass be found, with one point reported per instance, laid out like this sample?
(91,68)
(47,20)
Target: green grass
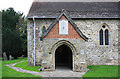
(0,69)
(9,72)
(102,71)
(1,58)
(95,70)
(24,65)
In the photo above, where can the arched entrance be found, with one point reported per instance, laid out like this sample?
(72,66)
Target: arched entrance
(63,57)
(58,45)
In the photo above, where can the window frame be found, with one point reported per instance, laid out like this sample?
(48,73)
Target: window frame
(106,37)
(101,38)
(104,41)
(42,27)
(44,31)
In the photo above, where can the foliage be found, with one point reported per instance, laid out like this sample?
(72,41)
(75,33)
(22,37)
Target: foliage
(24,65)
(14,41)
(10,18)
(0,33)
(101,71)
(8,72)
(21,27)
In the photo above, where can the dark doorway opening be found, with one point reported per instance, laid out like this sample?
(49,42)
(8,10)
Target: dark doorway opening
(63,57)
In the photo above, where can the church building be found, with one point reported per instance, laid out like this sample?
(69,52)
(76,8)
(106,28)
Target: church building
(72,34)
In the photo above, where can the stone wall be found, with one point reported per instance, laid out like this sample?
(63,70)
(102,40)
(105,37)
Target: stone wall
(76,45)
(96,54)
(30,36)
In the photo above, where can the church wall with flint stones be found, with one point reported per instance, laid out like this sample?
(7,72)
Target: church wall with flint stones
(73,34)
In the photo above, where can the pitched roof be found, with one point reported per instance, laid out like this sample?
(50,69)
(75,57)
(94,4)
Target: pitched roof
(69,20)
(74,9)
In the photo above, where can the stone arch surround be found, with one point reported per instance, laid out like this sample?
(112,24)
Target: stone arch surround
(77,46)
(67,43)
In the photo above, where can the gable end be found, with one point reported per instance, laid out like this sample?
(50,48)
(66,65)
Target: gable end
(69,20)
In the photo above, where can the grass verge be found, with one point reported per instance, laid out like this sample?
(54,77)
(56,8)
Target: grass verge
(9,72)
(0,69)
(24,65)
(102,71)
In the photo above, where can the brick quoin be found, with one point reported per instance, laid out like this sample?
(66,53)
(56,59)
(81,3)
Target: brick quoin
(72,33)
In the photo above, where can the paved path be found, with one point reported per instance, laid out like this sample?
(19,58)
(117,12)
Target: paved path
(59,72)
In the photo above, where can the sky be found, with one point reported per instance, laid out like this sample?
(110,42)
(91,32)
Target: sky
(24,5)
(77,0)
(18,5)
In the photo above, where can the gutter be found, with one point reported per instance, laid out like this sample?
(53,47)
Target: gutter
(34,39)
(117,17)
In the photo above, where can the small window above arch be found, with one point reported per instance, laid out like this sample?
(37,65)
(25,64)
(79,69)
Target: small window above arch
(103,26)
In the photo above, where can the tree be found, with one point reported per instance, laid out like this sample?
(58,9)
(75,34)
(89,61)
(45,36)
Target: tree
(21,27)
(10,18)
(0,33)
(12,41)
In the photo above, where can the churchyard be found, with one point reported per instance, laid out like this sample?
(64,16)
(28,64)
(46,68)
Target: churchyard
(95,71)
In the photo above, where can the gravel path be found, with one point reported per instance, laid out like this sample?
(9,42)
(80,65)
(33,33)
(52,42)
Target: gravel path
(57,73)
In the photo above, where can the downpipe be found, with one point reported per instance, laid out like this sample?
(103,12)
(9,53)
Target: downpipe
(34,39)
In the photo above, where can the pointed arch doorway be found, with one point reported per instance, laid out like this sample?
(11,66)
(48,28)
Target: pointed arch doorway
(63,57)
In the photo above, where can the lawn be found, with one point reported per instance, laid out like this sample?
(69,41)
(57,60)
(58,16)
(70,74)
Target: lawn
(1,58)
(0,69)
(95,71)
(9,72)
(102,71)
(24,65)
